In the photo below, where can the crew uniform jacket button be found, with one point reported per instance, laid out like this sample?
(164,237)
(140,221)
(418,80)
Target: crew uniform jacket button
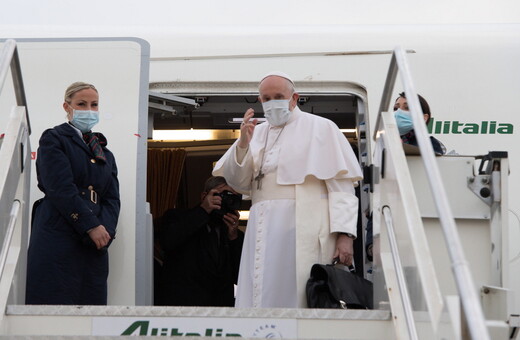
(92,160)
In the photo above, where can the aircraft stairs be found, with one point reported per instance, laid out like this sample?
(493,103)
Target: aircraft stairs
(416,296)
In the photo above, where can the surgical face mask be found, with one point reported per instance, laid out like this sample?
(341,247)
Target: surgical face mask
(404,121)
(84,120)
(277,112)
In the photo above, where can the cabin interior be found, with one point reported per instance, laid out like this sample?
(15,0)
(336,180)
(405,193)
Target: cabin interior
(190,131)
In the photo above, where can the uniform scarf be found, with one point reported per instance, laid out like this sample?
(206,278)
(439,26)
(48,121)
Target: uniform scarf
(409,138)
(95,141)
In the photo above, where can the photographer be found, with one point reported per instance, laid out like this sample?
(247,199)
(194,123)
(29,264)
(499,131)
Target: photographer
(202,248)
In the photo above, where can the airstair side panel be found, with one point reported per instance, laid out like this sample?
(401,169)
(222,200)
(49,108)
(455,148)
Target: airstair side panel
(395,191)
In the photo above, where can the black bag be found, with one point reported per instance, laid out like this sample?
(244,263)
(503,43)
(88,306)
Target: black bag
(332,286)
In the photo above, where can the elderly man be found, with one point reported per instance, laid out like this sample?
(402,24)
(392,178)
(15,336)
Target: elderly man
(300,172)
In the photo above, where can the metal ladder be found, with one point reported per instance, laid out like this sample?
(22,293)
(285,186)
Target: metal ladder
(15,169)
(401,303)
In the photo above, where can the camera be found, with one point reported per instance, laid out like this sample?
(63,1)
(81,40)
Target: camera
(230,202)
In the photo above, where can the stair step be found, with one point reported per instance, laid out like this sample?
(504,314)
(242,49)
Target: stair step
(201,322)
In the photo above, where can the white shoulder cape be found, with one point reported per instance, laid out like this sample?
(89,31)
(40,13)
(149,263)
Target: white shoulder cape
(310,145)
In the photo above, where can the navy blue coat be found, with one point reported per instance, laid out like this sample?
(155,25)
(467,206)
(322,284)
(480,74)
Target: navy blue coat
(64,266)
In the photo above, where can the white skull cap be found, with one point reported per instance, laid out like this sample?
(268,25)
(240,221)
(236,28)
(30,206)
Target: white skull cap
(278,74)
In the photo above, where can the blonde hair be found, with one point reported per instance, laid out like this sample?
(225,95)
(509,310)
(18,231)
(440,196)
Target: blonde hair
(76,87)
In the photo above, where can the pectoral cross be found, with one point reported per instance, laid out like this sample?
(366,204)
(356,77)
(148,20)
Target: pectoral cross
(258,179)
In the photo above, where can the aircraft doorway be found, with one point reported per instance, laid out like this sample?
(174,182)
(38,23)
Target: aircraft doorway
(190,131)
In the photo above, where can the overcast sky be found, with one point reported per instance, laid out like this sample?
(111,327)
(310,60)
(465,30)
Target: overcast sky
(126,14)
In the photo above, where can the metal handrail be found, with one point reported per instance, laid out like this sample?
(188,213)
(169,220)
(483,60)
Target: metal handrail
(9,59)
(387,92)
(401,281)
(471,306)
(9,234)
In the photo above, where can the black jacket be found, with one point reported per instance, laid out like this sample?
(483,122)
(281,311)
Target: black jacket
(200,262)
(437,145)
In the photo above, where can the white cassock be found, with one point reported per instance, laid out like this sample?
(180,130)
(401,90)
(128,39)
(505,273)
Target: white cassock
(306,196)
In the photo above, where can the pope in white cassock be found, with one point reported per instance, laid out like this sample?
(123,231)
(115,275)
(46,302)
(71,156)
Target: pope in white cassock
(300,172)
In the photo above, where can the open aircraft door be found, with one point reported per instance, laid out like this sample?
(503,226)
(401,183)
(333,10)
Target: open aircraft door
(119,69)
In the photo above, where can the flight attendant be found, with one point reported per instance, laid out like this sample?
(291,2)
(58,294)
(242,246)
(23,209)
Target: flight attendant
(75,222)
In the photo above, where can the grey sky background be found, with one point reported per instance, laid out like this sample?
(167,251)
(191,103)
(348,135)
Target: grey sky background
(42,16)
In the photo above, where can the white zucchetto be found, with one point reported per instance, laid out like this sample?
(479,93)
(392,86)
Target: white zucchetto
(278,74)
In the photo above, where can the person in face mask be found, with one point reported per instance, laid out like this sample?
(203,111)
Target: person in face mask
(75,221)
(300,172)
(405,124)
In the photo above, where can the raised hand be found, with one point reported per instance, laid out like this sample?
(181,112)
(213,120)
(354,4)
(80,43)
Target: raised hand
(211,201)
(231,221)
(247,129)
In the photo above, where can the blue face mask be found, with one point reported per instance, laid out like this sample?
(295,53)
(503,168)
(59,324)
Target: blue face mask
(404,121)
(85,120)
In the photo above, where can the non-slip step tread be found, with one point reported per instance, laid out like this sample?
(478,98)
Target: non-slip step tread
(156,311)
